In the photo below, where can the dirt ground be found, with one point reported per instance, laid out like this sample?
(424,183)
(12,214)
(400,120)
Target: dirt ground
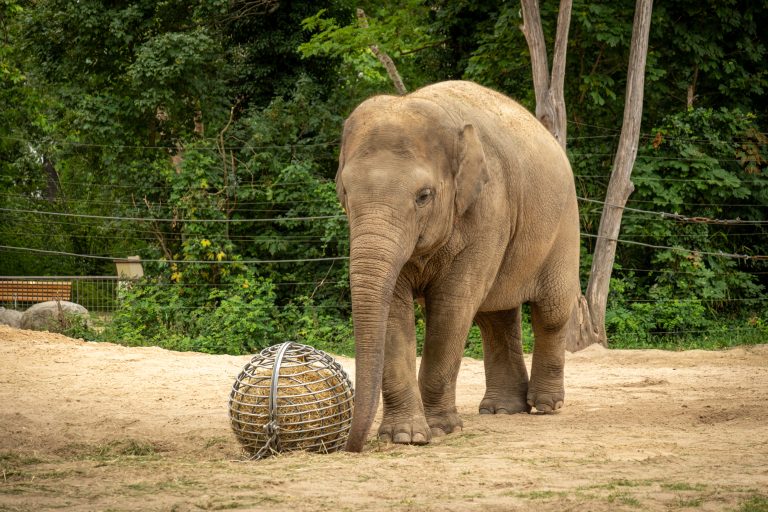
(96,426)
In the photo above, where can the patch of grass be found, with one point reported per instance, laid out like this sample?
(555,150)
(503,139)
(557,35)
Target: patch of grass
(226,506)
(174,484)
(460,438)
(619,483)
(689,503)
(18,459)
(136,448)
(682,486)
(722,338)
(623,498)
(755,504)
(536,495)
(215,441)
(12,464)
(118,449)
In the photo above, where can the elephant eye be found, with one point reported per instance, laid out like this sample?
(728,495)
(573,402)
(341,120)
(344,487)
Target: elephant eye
(424,196)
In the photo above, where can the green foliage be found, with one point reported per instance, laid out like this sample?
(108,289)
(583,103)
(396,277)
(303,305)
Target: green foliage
(695,165)
(398,29)
(238,316)
(501,59)
(206,300)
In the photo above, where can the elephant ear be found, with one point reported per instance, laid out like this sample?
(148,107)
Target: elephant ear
(340,192)
(472,172)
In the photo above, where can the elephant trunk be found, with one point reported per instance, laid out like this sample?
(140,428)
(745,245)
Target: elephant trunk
(377,254)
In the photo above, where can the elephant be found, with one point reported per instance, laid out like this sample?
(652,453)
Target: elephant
(457,198)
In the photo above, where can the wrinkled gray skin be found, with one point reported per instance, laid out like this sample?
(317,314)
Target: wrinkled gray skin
(458,197)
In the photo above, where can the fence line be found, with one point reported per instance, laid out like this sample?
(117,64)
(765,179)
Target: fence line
(209,262)
(216,146)
(101,293)
(321,201)
(678,217)
(179,221)
(666,215)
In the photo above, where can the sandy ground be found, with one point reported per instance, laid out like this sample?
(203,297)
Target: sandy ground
(91,426)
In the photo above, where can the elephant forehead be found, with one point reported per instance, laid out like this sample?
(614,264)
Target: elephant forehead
(407,134)
(384,169)
(395,139)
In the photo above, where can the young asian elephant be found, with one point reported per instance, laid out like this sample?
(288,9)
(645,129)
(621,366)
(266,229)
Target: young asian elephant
(459,198)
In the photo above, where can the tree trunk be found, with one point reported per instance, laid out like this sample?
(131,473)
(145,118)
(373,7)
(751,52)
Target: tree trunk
(52,178)
(620,186)
(588,320)
(550,100)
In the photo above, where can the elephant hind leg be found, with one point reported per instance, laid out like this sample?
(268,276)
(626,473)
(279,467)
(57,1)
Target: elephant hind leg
(506,377)
(546,391)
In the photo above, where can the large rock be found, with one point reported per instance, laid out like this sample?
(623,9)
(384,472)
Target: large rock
(54,316)
(10,317)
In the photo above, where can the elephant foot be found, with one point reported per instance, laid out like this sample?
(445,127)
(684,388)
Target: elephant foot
(512,405)
(444,423)
(546,403)
(414,431)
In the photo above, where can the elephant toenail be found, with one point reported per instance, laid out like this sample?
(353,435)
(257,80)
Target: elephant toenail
(402,437)
(437,432)
(485,411)
(559,404)
(502,411)
(419,438)
(385,438)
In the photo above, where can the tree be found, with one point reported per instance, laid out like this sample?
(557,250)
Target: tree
(550,99)
(588,321)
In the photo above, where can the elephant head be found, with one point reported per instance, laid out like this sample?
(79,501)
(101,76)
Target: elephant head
(407,172)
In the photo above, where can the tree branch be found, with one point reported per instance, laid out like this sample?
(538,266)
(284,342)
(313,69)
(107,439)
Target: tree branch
(557,80)
(385,59)
(534,36)
(550,98)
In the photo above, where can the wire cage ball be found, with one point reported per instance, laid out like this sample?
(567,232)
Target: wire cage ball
(291,397)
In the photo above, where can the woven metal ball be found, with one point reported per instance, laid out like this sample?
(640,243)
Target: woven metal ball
(291,397)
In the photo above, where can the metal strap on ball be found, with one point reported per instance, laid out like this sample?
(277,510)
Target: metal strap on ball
(271,429)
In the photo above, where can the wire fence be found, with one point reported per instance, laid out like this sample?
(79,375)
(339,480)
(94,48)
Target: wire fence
(102,293)
(95,293)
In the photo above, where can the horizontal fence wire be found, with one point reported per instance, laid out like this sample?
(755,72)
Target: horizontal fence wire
(665,215)
(175,221)
(102,293)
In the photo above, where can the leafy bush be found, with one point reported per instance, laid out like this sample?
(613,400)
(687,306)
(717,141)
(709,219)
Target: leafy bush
(239,316)
(704,165)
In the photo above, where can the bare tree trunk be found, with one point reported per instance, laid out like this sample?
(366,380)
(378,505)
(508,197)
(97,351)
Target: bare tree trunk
(52,177)
(588,320)
(550,100)
(385,59)
(692,88)
(620,186)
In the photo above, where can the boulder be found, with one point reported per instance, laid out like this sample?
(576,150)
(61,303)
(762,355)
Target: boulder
(10,317)
(54,316)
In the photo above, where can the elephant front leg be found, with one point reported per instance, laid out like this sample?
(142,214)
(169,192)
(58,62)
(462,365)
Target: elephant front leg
(506,377)
(403,420)
(447,329)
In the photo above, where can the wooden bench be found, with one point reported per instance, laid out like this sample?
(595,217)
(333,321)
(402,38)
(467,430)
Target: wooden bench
(34,291)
